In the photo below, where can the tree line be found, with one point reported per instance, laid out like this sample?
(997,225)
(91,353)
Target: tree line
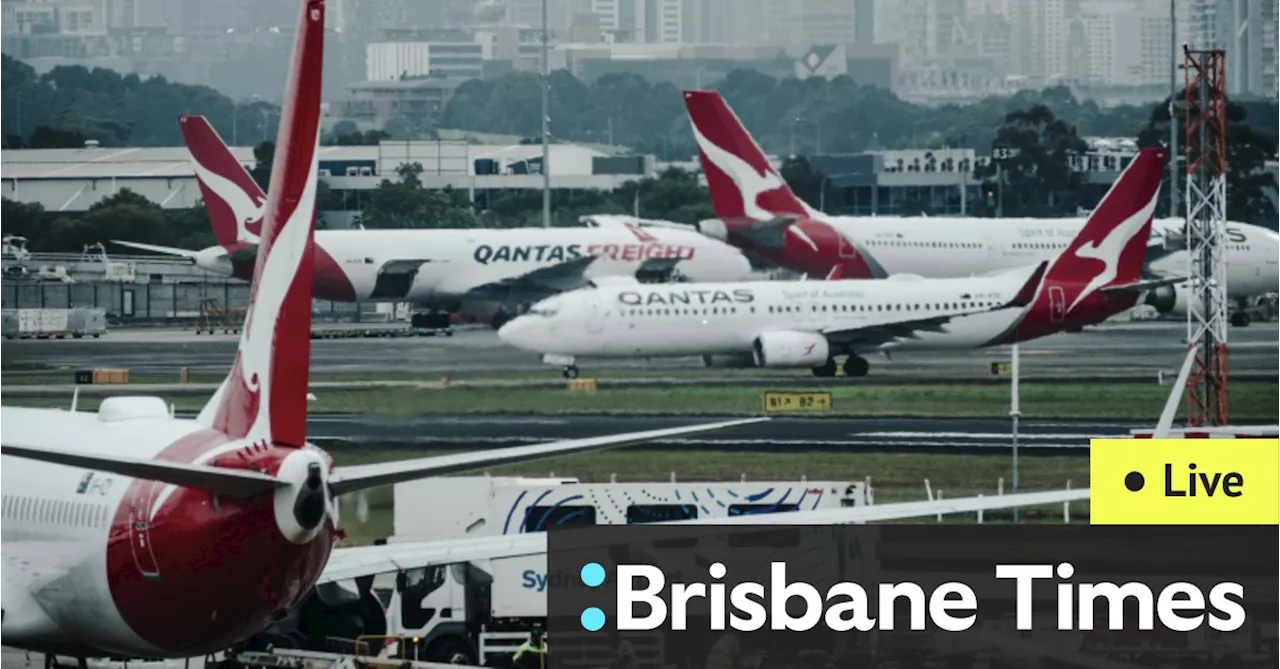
(814,115)
(72,103)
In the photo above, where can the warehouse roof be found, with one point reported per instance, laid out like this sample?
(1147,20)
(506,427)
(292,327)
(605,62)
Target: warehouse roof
(161,162)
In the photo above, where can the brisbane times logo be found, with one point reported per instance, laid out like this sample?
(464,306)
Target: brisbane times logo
(645,600)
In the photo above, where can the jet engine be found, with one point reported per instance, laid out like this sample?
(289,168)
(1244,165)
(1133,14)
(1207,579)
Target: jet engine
(791,349)
(1173,299)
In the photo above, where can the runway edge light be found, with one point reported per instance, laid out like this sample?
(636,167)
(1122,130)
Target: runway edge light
(1184,481)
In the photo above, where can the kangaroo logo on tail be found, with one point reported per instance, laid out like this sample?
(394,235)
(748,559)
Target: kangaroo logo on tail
(1111,247)
(234,201)
(242,205)
(758,190)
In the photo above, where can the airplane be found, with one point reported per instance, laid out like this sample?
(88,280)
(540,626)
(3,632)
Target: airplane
(809,324)
(757,212)
(485,272)
(133,534)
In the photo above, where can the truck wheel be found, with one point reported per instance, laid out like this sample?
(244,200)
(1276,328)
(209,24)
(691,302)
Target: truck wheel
(453,652)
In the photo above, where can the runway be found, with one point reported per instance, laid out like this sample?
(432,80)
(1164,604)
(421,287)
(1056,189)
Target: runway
(1126,348)
(338,432)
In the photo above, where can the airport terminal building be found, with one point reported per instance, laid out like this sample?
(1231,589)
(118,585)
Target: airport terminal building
(870,183)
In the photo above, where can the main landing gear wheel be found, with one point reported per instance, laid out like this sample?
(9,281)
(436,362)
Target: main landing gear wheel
(1241,319)
(856,366)
(570,372)
(826,369)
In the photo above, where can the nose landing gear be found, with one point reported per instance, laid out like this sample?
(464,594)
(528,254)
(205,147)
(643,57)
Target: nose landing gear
(570,372)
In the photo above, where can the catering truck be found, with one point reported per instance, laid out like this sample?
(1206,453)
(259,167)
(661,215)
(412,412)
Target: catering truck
(464,613)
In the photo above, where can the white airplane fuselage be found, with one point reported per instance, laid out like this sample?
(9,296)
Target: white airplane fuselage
(944,247)
(96,562)
(729,318)
(436,266)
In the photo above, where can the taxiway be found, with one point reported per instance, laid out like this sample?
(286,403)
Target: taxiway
(1137,348)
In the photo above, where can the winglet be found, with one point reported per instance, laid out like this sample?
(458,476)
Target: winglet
(1028,290)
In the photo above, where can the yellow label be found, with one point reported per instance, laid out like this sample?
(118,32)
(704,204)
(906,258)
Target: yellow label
(781,401)
(1184,481)
(998,368)
(582,385)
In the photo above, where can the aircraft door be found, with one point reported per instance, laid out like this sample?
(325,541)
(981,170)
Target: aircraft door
(595,313)
(140,529)
(1057,304)
(847,249)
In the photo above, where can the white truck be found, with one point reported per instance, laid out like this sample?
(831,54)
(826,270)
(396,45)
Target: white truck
(461,614)
(56,323)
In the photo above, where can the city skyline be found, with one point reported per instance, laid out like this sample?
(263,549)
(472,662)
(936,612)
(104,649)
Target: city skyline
(923,50)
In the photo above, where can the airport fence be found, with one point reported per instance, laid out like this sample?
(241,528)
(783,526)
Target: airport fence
(163,304)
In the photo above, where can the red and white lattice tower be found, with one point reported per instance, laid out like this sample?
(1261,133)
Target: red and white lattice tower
(1205,106)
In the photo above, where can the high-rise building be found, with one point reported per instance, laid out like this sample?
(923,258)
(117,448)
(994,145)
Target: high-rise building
(809,22)
(734,22)
(560,13)
(1127,43)
(642,21)
(924,29)
(1038,38)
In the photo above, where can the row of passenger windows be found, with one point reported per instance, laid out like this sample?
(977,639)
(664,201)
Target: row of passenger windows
(795,309)
(1040,245)
(924,245)
(54,512)
(1063,245)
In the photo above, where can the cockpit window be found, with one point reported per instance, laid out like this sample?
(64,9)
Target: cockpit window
(545,312)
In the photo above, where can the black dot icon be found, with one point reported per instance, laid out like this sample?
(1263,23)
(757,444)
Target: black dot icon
(1134,481)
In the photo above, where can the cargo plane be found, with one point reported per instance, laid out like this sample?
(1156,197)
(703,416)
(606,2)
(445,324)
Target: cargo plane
(485,272)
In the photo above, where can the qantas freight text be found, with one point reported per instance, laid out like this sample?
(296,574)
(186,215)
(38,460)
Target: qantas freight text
(485,254)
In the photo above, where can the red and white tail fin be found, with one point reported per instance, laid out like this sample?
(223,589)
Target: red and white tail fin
(265,395)
(1110,248)
(232,198)
(740,177)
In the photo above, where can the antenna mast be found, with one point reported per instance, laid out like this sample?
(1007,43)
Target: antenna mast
(1205,105)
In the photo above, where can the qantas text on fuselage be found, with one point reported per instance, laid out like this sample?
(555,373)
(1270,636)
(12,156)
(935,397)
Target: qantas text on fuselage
(486,254)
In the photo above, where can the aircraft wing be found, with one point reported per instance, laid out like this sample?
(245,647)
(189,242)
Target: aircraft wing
(1144,285)
(167,250)
(247,483)
(351,563)
(241,251)
(220,480)
(359,477)
(893,327)
(544,281)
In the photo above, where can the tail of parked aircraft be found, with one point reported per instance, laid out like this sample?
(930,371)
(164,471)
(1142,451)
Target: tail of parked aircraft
(234,201)
(1099,274)
(742,181)
(1108,251)
(264,396)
